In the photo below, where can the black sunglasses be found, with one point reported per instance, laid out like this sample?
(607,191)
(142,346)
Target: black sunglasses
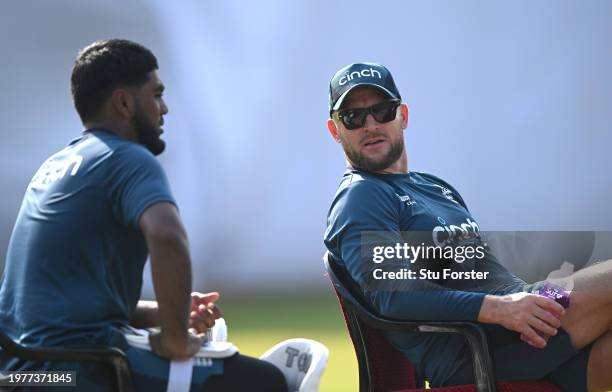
(382,112)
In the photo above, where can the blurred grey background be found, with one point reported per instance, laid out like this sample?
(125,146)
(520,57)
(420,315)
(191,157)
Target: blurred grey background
(510,102)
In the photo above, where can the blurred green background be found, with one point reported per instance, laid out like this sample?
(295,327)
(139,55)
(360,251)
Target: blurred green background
(257,323)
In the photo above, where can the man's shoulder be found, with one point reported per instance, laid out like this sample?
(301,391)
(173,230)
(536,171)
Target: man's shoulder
(101,140)
(428,178)
(118,152)
(364,201)
(358,183)
(98,157)
(361,191)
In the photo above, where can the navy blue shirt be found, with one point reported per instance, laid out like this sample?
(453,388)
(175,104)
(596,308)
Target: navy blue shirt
(76,255)
(386,206)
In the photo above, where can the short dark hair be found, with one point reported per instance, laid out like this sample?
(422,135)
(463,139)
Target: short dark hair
(103,66)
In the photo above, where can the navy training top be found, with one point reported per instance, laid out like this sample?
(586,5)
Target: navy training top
(384,206)
(76,255)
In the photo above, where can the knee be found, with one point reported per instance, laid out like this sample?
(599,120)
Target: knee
(274,378)
(242,373)
(598,373)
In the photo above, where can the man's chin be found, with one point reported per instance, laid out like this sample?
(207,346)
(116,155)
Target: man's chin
(156,147)
(369,164)
(376,163)
(375,166)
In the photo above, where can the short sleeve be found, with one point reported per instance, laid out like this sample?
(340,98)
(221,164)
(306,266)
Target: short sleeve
(137,181)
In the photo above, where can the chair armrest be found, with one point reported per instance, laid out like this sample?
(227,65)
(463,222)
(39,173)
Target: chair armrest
(484,371)
(109,355)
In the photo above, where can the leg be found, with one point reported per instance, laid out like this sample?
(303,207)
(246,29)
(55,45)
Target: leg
(514,360)
(242,373)
(599,377)
(590,313)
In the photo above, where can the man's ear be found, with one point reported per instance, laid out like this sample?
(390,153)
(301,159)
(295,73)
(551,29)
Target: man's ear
(333,130)
(405,111)
(123,103)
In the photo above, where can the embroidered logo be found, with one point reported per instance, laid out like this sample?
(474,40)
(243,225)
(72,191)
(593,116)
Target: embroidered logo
(447,193)
(364,73)
(406,199)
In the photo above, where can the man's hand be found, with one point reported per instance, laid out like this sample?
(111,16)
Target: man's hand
(535,317)
(204,312)
(185,348)
(529,342)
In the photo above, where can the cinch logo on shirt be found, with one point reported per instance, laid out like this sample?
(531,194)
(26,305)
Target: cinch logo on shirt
(445,234)
(54,170)
(368,73)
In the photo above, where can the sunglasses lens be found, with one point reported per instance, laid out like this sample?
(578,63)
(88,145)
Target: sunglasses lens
(353,118)
(384,112)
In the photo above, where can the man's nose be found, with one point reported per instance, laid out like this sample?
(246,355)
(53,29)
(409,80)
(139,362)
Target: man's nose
(164,108)
(370,122)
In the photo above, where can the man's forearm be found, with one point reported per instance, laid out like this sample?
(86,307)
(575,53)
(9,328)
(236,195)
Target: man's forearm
(489,309)
(171,271)
(146,315)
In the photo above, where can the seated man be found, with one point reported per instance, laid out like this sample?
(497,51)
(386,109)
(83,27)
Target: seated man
(90,216)
(379,200)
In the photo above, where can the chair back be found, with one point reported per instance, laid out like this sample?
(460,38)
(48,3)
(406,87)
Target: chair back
(381,367)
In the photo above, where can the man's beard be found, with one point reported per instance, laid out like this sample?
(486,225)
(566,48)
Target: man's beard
(360,161)
(148,133)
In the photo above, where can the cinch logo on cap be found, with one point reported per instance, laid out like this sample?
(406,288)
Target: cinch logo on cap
(357,74)
(370,73)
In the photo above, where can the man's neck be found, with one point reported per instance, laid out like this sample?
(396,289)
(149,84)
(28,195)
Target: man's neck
(398,167)
(121,130)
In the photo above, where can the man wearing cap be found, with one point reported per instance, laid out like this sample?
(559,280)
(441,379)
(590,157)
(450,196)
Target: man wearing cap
(380,204)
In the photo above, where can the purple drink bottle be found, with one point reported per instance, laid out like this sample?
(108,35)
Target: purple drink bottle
(552,291)
(556,293)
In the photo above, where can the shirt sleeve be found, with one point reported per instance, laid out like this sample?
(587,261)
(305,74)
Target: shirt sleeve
(366,214)
(137,181)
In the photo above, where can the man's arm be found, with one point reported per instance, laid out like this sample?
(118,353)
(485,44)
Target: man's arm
(366,214)
(171,272)
(368,208)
